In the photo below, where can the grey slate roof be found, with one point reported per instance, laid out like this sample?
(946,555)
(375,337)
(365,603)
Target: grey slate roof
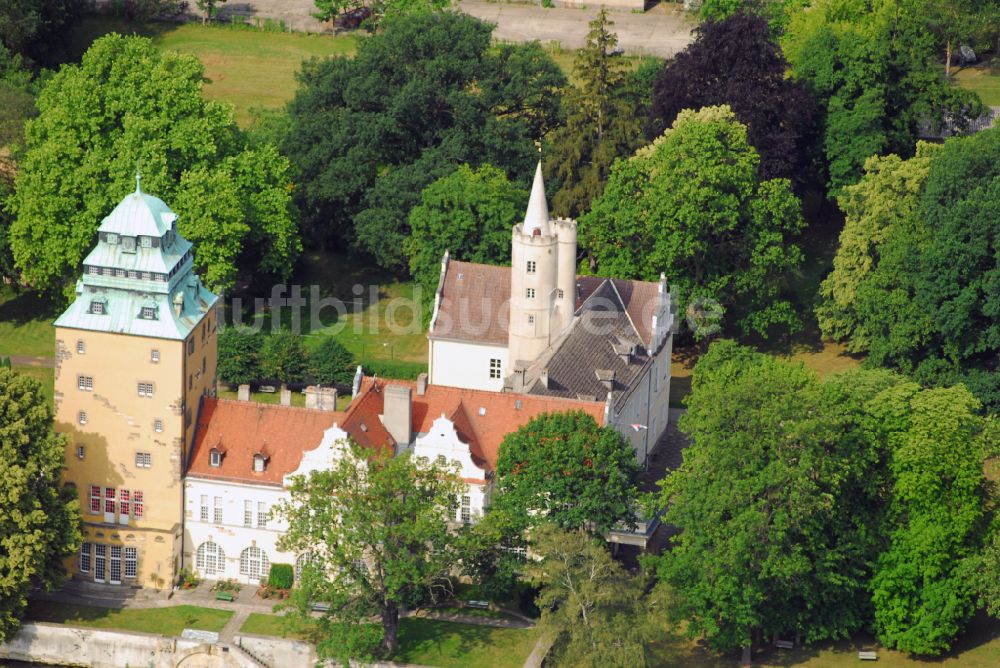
(597,342)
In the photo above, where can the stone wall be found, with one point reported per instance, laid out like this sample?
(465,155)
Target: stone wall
(278,651)
(64,645)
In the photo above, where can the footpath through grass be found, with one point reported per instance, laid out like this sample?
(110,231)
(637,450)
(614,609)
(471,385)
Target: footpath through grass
(165,621)
(245,67)
(431,642)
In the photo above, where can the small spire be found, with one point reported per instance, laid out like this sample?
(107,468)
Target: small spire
(537,215)
(138,176)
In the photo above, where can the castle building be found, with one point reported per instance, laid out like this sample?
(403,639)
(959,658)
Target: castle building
(135,353)
(537,328)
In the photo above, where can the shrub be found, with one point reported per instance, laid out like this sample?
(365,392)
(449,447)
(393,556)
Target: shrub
(394,369)
(187,579)
(282,357)
(239,355)
(331,363)
(282,576)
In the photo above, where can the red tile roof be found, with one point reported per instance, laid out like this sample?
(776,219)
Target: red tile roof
(473,298)
(241,429)
(481,418)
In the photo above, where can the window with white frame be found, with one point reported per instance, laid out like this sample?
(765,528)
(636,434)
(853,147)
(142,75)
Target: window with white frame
(81,417)
(217,510)
(146,242)
(210,558)
(532,265)
(97,307)
(494,367)
(529,293)
(466,510)
(253,562)
(214,457)
(95,500)
(148,313)
(158,425)
(154,356)
(110,496)
(145,389)
(258,463)
(143,460)
(85,383)
(131,562)
(204,507)
(137,504)
(120,273)
(81,451)
(248,513)
(261,514)
(531,319)
(81,347)
(301,562)
(124,505)
(86,551)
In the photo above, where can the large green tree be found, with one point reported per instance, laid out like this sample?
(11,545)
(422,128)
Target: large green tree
(128,103)
(566,469)
(468,213)
(596,613)
(37,29)
(692,205)
(375,527)
(876,208)
(603,122)
(375,10)
(924,585)
(425,95)
(873,67)
(39,518)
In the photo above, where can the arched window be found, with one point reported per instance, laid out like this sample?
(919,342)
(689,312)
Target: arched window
(301,562)
(210,559)
(253,563)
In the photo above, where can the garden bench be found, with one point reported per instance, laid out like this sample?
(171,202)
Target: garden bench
(270,389)
(867,656)
(479,605)
(321,607)
(224,596)
(784,644)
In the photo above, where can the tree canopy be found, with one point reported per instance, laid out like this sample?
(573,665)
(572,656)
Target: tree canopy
(37,29)
(429,92)
(736,61)
(470,214)
(873,67)
(375,527)
(565,469)
(39,518)
(127,104)
(693,205)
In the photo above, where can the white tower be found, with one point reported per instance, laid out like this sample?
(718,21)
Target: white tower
(542,278)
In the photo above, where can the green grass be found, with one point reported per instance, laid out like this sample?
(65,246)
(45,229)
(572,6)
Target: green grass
(26,324)
(435,643)
(247,68)
(166,621)
(983,78)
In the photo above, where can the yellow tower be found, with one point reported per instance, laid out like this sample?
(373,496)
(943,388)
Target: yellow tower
(135,352)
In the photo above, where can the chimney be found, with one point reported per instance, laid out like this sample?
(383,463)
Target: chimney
(243,393)
(321,398)
(396,412)
(624,352)
(421,384)
(286,396)
(544,378)
(607,378)
(517,378)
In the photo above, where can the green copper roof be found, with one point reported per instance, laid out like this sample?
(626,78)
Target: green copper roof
(139,279)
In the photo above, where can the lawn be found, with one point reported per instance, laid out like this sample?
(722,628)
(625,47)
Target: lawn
(165,621)
(983,78)
(436,643)
(247,68)
(26,324)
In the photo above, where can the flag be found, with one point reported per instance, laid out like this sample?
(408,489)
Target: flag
(638,426)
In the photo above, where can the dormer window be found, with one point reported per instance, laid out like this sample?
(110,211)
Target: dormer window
(148,313)
(97,307)
(128,244)
(214,458)
(259,462)
(146,242)
(111,238)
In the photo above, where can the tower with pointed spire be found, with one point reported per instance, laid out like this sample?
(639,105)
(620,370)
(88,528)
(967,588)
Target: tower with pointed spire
(542,277)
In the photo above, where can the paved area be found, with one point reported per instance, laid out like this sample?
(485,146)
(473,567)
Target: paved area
(661,31)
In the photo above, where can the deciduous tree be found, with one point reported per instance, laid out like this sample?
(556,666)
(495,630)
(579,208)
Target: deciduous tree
(468,213)
(239,355)
(369,133)
(129,103)
(375,527)
(330,362)
(282,357)
(39,518)
(692,205)
(565,469)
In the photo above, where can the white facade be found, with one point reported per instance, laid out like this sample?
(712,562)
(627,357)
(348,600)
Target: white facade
(442,444)
(476,366)
(230,529)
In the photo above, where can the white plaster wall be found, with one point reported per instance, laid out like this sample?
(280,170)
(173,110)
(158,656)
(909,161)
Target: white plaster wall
(232,536)
(278,651)
(442,440)
(649,405)
(463,364)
